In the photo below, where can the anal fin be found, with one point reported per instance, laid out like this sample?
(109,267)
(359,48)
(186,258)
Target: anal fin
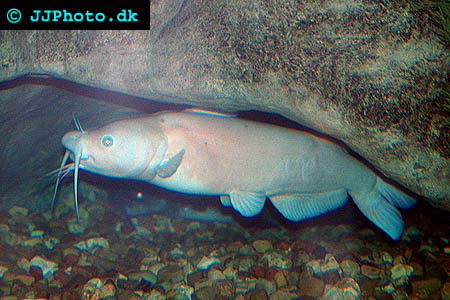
(298,206)
(249,204)
(225,200)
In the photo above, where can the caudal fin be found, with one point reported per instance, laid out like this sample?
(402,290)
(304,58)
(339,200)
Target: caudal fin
(378,206)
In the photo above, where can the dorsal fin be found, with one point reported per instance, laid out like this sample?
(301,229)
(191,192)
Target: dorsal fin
(208,112)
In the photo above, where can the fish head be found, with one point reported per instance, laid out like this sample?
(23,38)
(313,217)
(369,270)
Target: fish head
(121,149)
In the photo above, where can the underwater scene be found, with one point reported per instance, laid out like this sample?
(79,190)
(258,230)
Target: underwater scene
(130,239)
(236,150)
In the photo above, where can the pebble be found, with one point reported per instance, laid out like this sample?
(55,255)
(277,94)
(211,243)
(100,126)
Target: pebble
(224,288)
(17,211)
(262,246)
(326,265)
(445,291)
(277,259)
(25,279)
(205,293)
(206,262)
(180,291)
(267,285)
(92,244)
(280,280)
(350,268)
(4,228)
(310,286)
(372,272)
(258,295)
(400,274)
(153,258)
(3,270)
(171,274)
(93,289)
(283,294)
(216,275)
(429,285)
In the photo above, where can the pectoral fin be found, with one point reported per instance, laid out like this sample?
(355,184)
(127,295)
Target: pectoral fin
(167,168)
(225,200)
(248,204)
(296,207)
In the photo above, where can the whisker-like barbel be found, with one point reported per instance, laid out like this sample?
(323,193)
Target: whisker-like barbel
(57,172)
(59,178)
(64,169)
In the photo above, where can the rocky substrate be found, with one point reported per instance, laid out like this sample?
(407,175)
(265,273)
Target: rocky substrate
(109,256)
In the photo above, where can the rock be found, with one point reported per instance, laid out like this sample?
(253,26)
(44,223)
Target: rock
(310,286)
(230,273)
(372,272)
(445,291)
(32,242)
(319,253)
(301,257)
(109,290)
(400,274)
(262,246)
(428,285)
(9,298)
(245,263)
(143,275)
(154,295)
(346,289)
(382,257)
(224,288)
(205,293)
(25,279)
(180,291)
(258,295)
(283,294)
(91,244)
(246,250)
(16,211)
(280,280)
(400,259)
(215,275)
(267,285)
(3,270)
(126,283)
(51,242)
(401,295)
(176,256)
(324,266)
(4,228)
(171,274)
(93,289)
(47,267)
(277,259)
(350,268)
(37,233)
(206,262)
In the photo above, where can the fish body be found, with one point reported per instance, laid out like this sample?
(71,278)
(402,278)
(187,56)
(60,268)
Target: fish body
(244,162)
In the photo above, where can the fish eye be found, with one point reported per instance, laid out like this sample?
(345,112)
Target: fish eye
(107,141)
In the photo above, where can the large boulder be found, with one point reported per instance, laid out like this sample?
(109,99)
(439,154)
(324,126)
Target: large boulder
(364,72)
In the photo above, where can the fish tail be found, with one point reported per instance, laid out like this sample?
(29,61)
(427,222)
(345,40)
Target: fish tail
(379,207)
